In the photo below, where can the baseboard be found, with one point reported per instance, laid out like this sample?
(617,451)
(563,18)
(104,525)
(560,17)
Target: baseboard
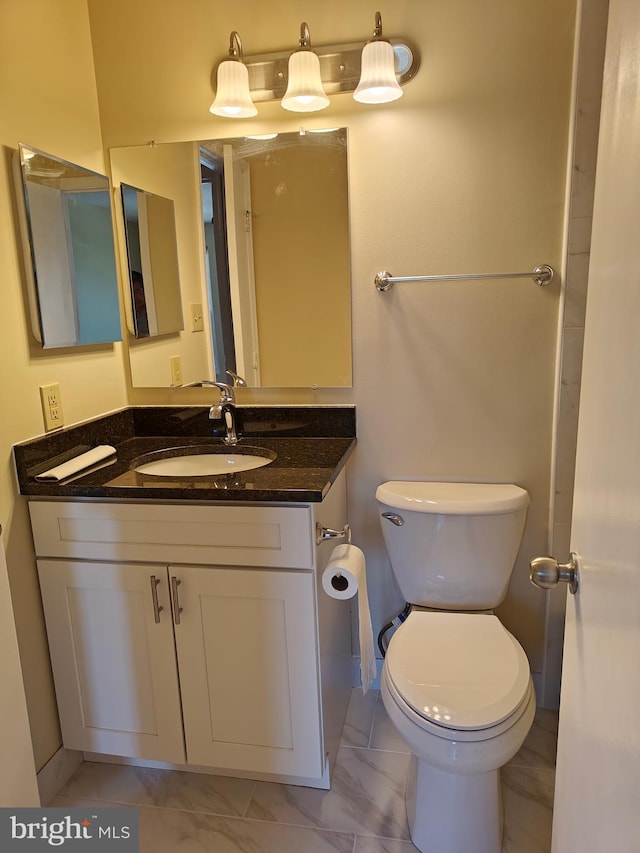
(308,782)
(56,773)
(538,687)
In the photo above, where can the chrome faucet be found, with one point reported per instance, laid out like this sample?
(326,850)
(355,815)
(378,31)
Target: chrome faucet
(236,380)
(225,409)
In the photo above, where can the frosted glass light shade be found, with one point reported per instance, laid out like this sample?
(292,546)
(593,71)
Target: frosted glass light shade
(305,93)
(233,98)
(378,83)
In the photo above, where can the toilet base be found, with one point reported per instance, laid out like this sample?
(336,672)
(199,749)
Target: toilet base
(452,813)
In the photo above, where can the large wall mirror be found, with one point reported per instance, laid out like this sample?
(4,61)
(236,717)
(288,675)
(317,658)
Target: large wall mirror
(262,235)
(70,261)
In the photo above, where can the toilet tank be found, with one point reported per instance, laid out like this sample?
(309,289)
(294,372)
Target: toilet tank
(453,545)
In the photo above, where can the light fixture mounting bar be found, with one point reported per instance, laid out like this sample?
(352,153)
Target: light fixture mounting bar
(339,68)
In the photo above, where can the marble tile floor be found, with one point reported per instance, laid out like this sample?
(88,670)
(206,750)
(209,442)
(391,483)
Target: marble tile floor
(364,812)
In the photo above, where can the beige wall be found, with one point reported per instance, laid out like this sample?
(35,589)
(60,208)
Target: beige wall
(465,173)
(301,271)
(48,97)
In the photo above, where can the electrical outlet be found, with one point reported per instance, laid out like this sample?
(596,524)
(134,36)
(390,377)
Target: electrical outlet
(176,370)
(197,320)
(51,406)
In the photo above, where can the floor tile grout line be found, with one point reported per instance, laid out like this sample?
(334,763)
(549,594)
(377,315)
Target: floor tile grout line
(254,820)
(519,766)
(246,808)
(388,751)
(373,722)
(163,807)
(379,749)
(167,807)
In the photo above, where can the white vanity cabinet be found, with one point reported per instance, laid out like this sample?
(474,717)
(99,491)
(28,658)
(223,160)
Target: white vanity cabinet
(248,670)
(196,635)
(114,666)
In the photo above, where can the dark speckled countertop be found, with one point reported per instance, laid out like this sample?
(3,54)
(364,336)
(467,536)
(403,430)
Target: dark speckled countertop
(311,443)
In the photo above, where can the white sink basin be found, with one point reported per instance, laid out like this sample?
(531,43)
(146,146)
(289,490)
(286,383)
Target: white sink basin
(220,461)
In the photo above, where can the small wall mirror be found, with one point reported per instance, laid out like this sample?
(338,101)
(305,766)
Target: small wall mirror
(262,230)
(69,252)
(152,252)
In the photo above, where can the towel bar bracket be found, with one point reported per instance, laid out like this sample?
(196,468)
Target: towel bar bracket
(323,533)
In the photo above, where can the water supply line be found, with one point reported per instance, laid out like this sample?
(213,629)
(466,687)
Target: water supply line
(394,623)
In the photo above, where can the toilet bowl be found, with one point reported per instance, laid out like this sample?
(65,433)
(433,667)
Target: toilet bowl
(455,683)
(457,687)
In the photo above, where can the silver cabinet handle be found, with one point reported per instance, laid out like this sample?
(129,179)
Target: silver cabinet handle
(157,608)
(177,610)
(394,518)
(547,573)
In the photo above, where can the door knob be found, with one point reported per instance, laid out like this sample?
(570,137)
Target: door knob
(548,573)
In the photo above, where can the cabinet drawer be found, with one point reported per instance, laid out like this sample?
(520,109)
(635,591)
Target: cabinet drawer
(231,535)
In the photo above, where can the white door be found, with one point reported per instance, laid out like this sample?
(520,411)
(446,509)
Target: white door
(113,658)
(597,806)
(237,187)
(246,646)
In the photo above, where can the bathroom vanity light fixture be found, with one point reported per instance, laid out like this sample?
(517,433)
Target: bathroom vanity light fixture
(378,83)
(233,98)
(304,90)
(366,70)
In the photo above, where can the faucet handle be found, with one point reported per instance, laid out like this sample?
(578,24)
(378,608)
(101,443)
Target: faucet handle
(237,380)
(226,391)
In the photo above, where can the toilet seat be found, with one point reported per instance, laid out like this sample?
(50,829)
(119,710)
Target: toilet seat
(458,675)
(459,736)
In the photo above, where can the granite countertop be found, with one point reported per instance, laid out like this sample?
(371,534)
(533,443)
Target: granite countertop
(311,443)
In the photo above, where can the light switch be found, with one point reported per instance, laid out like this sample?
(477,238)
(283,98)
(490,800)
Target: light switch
(197,320)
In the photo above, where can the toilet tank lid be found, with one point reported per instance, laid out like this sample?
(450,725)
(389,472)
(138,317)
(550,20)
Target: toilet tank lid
(452,498)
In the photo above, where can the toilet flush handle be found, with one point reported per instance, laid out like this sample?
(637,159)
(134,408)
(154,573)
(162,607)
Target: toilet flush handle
(547,572)
(398,520)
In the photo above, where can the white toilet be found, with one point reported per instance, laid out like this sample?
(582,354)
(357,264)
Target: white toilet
(455,683)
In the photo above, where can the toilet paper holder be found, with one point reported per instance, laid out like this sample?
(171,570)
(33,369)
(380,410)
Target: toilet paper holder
(323,533)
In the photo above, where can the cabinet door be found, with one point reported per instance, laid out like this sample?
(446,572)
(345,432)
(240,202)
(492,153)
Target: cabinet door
(246,647)
(113,664)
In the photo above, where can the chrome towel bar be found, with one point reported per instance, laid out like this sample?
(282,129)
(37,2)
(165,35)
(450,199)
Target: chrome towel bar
(542,276)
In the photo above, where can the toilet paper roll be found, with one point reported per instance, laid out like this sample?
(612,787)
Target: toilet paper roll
(344,577)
